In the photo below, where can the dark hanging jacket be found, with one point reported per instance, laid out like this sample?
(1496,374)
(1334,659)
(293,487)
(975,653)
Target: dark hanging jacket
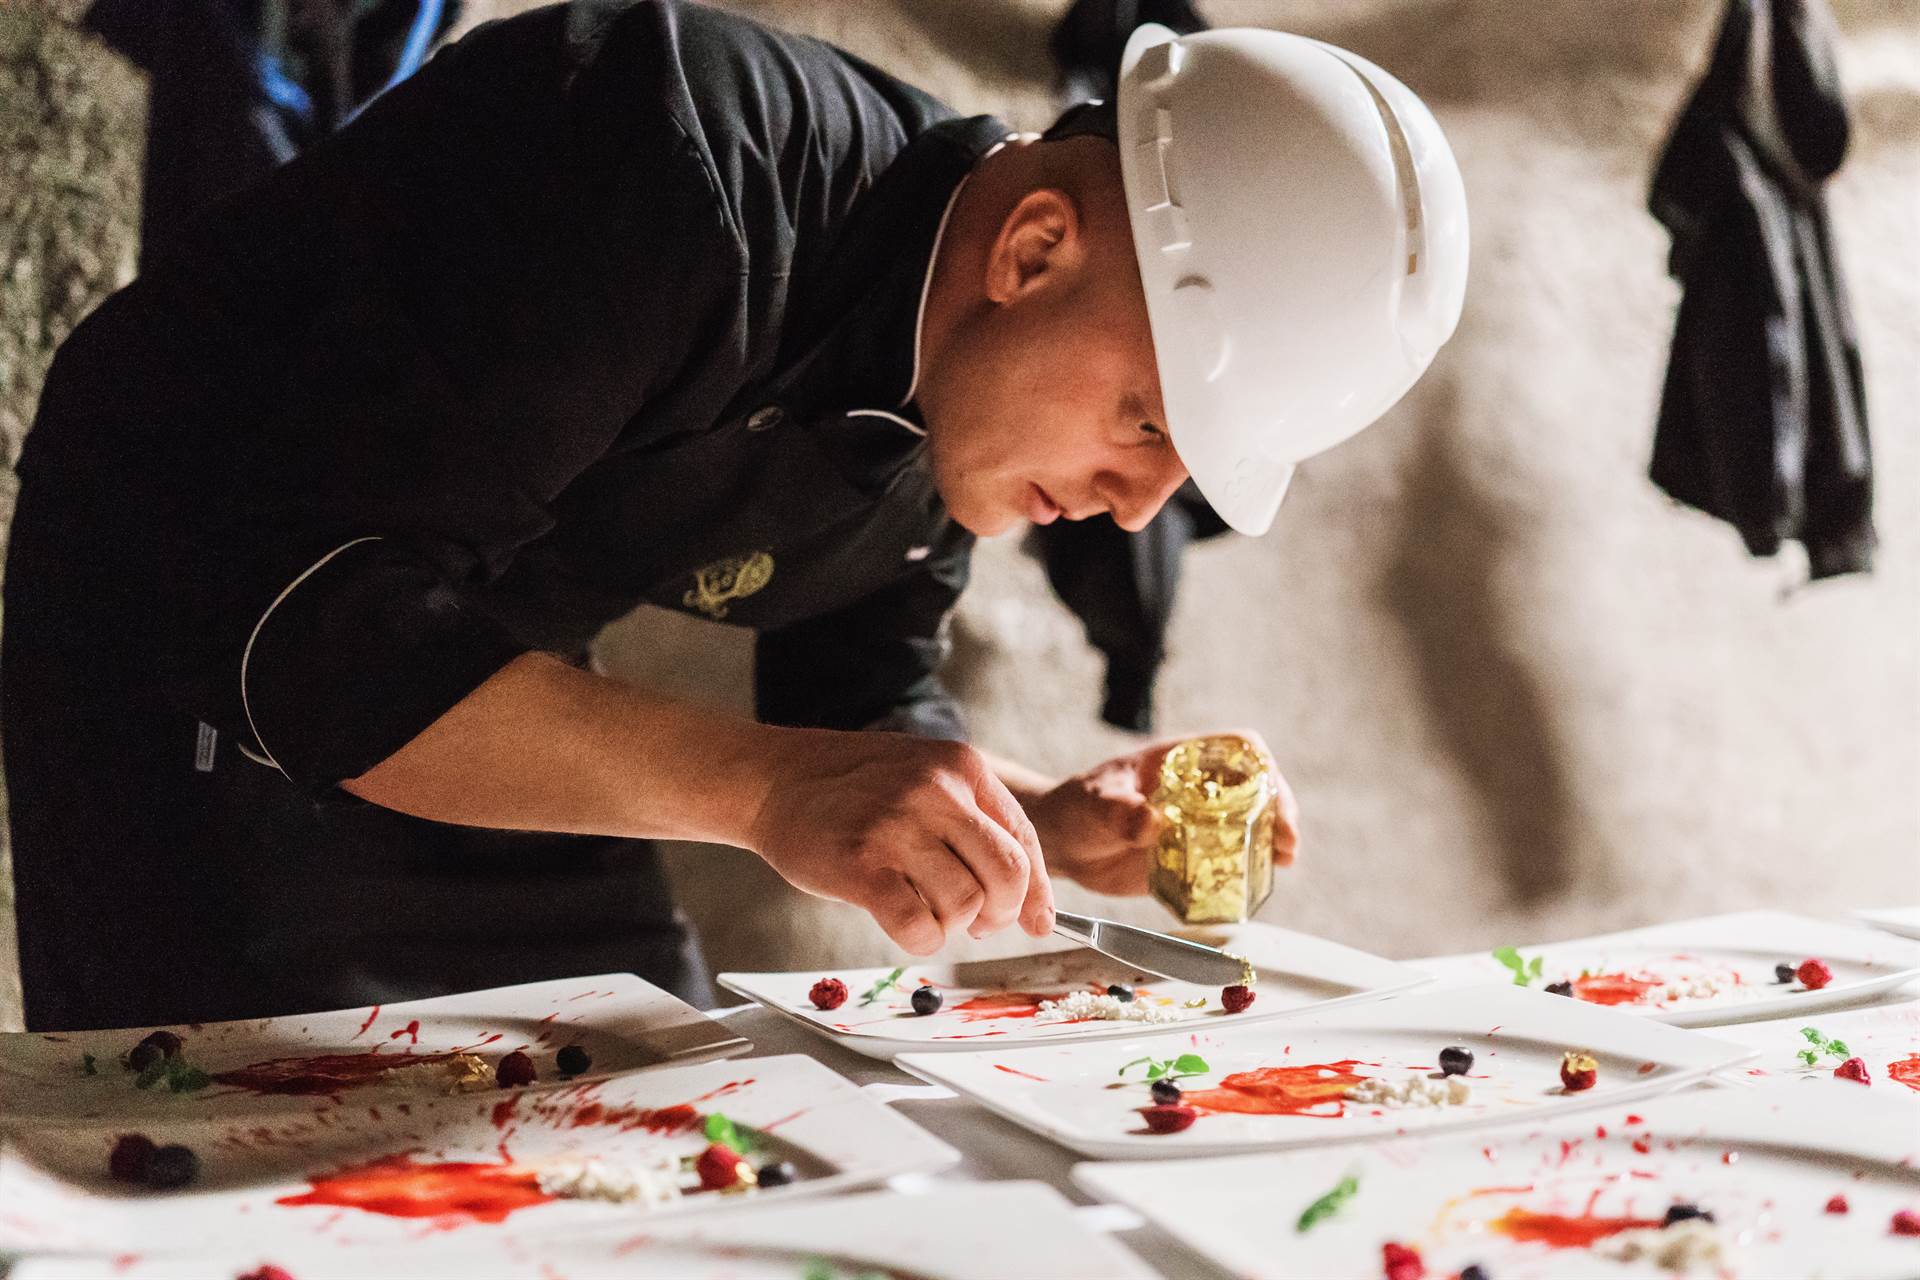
(1763,421)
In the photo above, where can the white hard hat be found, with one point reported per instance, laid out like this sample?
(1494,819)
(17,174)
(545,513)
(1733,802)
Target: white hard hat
(1302,234)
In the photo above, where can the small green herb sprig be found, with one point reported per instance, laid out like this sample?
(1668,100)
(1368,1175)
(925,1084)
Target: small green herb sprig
(89,1065)
(729,1133)
(1329,1204)
(176,1073)
(1821,1044)
(1525,972)
(1187,1064)
(881,987)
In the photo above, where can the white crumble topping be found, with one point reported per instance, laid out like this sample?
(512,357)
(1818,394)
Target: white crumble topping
(595,1179)
(1078,1005)
(1413,1091)
(1687,1244)
(1703,986)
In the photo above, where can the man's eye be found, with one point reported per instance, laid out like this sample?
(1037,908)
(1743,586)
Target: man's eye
(1150,429)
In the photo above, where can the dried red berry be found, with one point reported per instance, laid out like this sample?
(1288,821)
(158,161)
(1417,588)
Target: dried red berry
(515,1070)
(719,1167)
(1854,1069)
(1906,1223)
(1814,974)
(130,1156)
(828,993)
(1398,1262)
(1578,1071)
(1236,997)
(1168,1118)
(267,1272)
(1837,1205)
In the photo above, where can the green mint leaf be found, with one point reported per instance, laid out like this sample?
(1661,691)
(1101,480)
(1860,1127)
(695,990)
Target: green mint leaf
(881,987)
(1534,967)
(1191,1064)
(1329,1204)
(723,1131)
(89,1065)
(1510,958)
(1812,1035)
(185,1079)
(1838,1048)
(1157,1070)
(155,1072)
(817,1269)
(1131,1065)
(1808,1056)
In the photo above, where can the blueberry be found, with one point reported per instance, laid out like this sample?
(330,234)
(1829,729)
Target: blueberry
(1473,1271)
(1166,1092)
(1785,973)
(1559,988)
(925,1001)
(1681,1212)
(777,1174)
(171,1167)
(573,1060)
(1121,992)
(1455,1060)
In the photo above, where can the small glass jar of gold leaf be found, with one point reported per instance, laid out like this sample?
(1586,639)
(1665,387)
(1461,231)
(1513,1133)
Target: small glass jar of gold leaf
(1216,797)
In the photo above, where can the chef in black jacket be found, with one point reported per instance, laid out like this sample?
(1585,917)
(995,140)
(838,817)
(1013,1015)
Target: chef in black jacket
(610,303)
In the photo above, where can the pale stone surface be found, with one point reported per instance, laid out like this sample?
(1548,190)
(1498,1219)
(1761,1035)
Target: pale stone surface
(1519,694)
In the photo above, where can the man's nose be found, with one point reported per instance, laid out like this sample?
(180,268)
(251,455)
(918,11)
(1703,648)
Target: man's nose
(1135,500)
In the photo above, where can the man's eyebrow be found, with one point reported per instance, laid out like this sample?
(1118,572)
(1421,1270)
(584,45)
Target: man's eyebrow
(1131,406)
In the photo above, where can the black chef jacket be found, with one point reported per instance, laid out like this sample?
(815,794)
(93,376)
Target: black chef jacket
(610,303)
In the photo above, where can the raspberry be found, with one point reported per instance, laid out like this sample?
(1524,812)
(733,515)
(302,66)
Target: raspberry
(515,1070)
(719,1168)
(128,1161)
(1837,1205)
(268,1271)
(1398,1262)
(1853,1069)
(828,993)
(573,1061)
(1165,1118)
(1578,1071)
(1236,997)
(1814,974)
(1906,1223)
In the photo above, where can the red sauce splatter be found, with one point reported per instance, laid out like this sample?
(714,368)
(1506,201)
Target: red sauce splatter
(1015,1071)
(411,1029)
(1614,988)
(323,1075)
(400,1187)
(371,1015)
(675,1119)
(1003,1004)
(1642,1145)
(1281,1091)
(970,1035)
(1633,1119)
(1906,1071)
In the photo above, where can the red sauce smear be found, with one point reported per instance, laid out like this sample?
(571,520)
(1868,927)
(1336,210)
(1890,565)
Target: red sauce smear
(1558,1231)
(402,1188)
(1614,988)
(1015,1071)
(1281,1091)
(1003,1004)
(411,1029)
(1906,1071)
(371,1015)
(322,1075)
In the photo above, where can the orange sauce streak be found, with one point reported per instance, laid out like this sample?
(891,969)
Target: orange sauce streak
(1906,1071)
(1003,1004)
(399,1187)
(1614,988)
(1281,1091)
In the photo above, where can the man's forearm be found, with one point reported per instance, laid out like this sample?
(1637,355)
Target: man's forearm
(542,746)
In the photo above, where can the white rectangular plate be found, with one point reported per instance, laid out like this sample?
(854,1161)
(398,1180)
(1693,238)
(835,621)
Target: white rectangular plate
(1075,1095)
(365,1173)
(1764,1162)
(336,1058)
(990,1004)
(1732,957)
(969,1232)
(1884,1036)
(1904,921)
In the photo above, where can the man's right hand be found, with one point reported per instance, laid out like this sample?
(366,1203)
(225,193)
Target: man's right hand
(917,832)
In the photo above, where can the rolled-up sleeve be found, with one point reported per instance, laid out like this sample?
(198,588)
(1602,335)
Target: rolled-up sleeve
(876,663)
(469,295)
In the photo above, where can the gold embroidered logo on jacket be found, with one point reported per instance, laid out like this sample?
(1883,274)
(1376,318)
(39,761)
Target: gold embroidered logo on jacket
(733,578)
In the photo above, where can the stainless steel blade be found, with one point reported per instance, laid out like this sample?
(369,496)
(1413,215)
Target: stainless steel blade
(1157,953)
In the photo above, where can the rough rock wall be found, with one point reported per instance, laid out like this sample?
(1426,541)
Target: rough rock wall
(72,125)
(1519,694)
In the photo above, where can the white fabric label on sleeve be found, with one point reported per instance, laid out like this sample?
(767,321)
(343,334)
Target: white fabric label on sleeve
(203,746)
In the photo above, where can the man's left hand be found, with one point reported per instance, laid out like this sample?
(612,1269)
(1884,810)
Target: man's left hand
(1098,828)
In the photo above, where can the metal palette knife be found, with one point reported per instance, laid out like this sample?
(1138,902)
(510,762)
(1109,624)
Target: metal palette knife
(1160,954)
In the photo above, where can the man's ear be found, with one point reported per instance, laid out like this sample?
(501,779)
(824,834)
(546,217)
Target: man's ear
(1042,241)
